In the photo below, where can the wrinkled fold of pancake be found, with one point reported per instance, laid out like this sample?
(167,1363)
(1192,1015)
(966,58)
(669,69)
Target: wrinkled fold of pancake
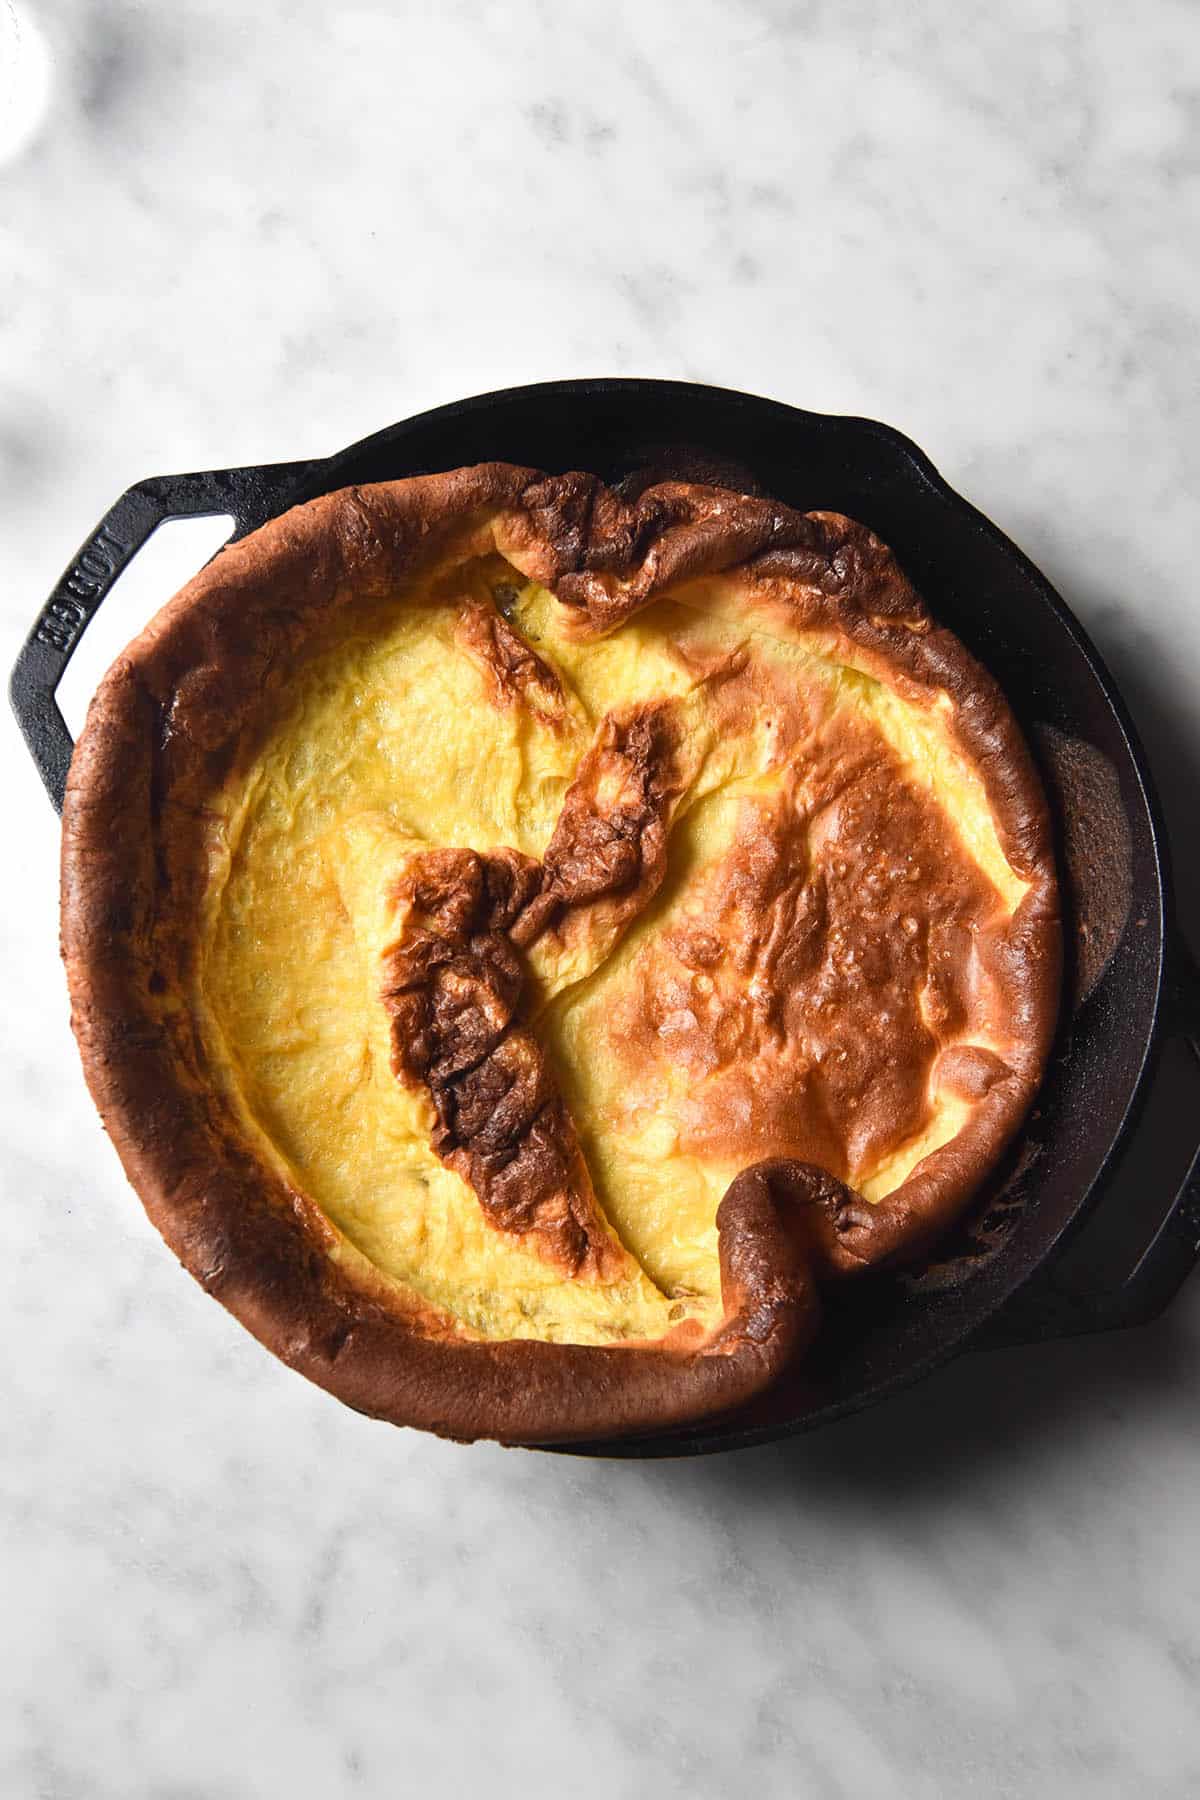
(454,980)
(524,944)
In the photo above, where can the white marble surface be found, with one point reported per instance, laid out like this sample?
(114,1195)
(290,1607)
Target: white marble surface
(233,232)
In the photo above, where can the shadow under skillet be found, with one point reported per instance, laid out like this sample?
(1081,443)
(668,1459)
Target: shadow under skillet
(954,1432)
(987,1408)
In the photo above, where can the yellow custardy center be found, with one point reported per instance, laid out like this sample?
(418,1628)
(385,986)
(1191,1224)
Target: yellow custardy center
(394,739)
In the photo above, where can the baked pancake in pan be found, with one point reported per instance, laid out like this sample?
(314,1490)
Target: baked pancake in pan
(524,943)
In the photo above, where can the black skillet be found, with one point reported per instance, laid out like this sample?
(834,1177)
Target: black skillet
(1094,1220)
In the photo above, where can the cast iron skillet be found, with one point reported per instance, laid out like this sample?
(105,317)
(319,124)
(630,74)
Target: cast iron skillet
(1095,1218)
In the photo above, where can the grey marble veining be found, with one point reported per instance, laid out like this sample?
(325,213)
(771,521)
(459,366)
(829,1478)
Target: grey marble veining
(234,233)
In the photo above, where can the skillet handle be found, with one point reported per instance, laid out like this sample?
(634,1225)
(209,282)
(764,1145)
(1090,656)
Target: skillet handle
(251,496)
(1133,1254)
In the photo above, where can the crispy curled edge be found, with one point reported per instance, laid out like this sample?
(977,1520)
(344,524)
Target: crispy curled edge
(774,1224)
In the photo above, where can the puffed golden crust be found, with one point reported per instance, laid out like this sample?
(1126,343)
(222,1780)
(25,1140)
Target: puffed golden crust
(186,706)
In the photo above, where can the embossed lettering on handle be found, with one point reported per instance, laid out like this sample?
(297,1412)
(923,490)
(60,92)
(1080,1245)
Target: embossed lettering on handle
(250,496)
(81,590)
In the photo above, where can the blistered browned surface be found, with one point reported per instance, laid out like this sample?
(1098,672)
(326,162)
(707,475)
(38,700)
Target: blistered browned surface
(455,984)
(610,843)
(191,699)
(821,968)
(515,672)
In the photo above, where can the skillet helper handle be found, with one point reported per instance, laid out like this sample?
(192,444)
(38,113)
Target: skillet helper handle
(1134,1253)
(251,496)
